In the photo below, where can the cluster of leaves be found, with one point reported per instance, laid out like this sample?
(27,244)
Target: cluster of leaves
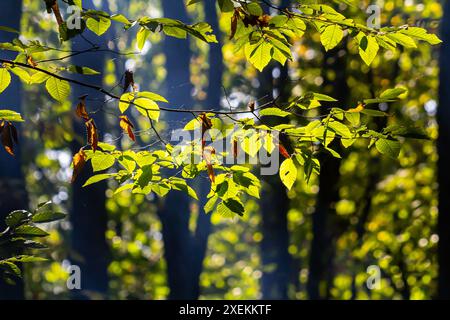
(144,172)
(263,37)
(99,22)
(18,239)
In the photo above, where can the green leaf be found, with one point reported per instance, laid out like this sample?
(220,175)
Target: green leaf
(277,112)
(209,206)
(12,267)
(99,25)
(120,18)
(259,55)
(10,115)
(331,36)
(47,216)
(125,101)
(151,96)
(368,47)
(228,208)
(226,5)
(30,231)
(16,217)
(141,37)
(374,113)
(288,173)
(421,34)
(392,93)
(255,9)
(5,79)
(175,31)
(402,39)
(323,97)
(353,118)
(340,128)
(102,161)
(26,258)
(148,108)
(388,147)
(58,89)
(98,178)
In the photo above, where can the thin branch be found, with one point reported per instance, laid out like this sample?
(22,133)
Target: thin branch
(116,97)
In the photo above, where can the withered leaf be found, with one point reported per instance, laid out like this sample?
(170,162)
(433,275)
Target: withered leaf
(211,174)
(9,136)
(129,81)
(206,125)
(283,151)
(251,105)
(79,160)
(127,126)
(235,148)
(81,109)
(234,23)
(92,134)
(14,133)
(208,152)
(31,62)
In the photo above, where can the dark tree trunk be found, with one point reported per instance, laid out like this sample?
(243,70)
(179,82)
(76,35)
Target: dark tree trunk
(13,195)
(89,217)
(175,210)
(274,206)
(321,252)
(443,144)
(274,200)
(214,94)
(184,251)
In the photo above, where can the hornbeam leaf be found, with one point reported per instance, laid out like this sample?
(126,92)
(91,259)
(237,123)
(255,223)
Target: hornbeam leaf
(79,160)
(58,89)
(331,36)
(5,79)
(99,25)
(30,231)
(288,173)
(98,178)
(277,112)
(388,147)
(47,216)
(9,115)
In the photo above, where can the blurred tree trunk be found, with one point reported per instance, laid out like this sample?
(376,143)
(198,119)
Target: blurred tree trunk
(322,245)
(89,217)
(274,200)
(214,94)
(443,144)
(185,250)
(175,207)
(13,195)
(274,204)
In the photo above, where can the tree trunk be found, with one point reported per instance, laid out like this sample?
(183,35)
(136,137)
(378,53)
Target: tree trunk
(175,210)
(89,216)
(214,94)
(321,252)
(274,200)
(443,145)
(184,251)
(13,195)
